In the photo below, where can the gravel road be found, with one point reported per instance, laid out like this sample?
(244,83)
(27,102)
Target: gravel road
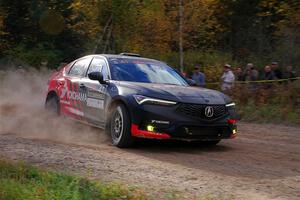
(262,163)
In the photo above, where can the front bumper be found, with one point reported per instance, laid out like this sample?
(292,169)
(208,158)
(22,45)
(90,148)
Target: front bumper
(167,123)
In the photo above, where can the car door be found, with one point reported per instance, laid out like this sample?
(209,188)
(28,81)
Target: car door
(96,93)
(73,95)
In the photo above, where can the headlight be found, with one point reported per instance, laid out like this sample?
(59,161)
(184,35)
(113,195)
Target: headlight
(140,99)
(230,104)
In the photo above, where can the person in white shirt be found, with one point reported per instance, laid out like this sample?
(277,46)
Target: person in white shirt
(227,78)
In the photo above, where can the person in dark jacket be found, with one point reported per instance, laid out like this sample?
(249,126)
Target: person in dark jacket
(269,74)
(198,76)
(239,74)
(276,70)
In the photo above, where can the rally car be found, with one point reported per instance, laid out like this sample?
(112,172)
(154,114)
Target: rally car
(131,97)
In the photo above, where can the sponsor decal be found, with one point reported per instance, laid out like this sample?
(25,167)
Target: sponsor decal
(159,122)
(95,103)
(72,95)
(95,95)
(77,96)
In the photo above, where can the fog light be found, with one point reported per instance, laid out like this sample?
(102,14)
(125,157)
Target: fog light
(150,128)
(234,131)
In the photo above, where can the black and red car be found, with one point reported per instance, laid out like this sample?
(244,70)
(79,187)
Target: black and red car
(130,96)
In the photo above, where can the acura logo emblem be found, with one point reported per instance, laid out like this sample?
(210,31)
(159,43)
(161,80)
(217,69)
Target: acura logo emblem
(209,111)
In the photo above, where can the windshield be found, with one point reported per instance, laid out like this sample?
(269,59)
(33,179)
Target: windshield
(144,71)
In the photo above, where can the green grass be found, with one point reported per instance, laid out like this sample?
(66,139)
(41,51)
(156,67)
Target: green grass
(269,114)
(19,181)
(279,104)
(23,182)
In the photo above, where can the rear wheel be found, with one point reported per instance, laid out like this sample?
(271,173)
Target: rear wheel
(120,127)
(52,105)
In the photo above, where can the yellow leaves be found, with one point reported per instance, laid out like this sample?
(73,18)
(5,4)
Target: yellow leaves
(150,34)
(200,22)
(85,14)
(213,73)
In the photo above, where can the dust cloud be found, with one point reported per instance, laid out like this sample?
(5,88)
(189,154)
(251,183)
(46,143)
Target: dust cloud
(22,98)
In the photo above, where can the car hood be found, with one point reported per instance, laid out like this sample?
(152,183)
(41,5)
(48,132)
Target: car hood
(185,94)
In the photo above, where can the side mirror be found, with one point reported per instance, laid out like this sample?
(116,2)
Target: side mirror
(191,82)
(96,76)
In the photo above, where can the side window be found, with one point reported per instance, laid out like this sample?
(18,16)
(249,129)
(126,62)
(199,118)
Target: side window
(99,65)
(79,68)
(105,72)
(96,65)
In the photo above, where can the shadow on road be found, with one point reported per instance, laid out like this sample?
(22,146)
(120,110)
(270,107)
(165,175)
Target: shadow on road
(161,146)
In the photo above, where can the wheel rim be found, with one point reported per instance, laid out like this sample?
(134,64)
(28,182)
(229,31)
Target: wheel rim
(117,125)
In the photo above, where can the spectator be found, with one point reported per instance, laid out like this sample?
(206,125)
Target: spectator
(239,74)
(290,73)
(253,73)
(269,74)
(198,76)
(227,78)
(276,70)
(248,75)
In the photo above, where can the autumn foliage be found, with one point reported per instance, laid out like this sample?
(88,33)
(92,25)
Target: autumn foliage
(214,31)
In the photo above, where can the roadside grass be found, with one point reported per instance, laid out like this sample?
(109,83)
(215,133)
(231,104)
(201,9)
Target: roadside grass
(19,181)
(269,114)
(23,182)
(278,104)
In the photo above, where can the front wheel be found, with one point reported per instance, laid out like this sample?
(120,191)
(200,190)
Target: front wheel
(120,127)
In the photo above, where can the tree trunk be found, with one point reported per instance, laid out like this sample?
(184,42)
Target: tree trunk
(181,35)
(100,40)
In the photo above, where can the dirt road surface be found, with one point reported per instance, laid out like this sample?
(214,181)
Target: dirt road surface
(262,163)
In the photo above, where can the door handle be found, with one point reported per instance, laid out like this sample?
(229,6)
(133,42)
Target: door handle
(81,85)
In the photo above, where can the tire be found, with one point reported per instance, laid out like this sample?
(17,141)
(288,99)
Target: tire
(119,128)
(52,105)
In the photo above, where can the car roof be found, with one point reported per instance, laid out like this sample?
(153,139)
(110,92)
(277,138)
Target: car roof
(112,56)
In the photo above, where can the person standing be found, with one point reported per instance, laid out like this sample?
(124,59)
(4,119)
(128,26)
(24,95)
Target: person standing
(269,74)
(239,74)
(277,72)
(227,78)
(198,76)
(253,72)
(290,73)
